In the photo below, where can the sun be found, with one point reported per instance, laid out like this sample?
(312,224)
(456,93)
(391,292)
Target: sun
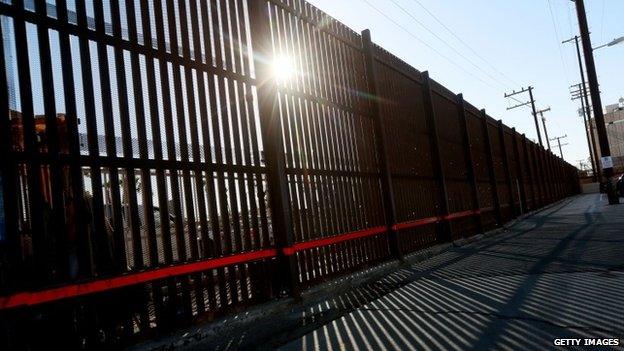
(284,68)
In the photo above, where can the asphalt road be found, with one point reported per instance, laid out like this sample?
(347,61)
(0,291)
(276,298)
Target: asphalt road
(557,274)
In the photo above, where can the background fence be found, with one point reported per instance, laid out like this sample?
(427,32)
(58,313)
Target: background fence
(157,172)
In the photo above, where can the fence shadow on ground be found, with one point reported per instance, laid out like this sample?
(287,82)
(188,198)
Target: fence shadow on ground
(520,289)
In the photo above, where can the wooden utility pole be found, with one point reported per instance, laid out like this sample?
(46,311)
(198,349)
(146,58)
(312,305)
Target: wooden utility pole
(532,103)
(560,144)
(541,113)
(605,151)
(584,96)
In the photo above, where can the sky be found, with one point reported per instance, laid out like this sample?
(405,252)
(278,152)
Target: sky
(503,45)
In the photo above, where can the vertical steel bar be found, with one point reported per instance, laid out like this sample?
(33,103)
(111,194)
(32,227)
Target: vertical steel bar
(147,196)
(381,143)
(10,246)
(530,172)
(272,137)
(443,229)
(521,170)
(472,178)
(539,173)
(60,266)
(506,167)
(490,166)
(113,184)
(101,247)
(79,246)
(124,111)
(33,167)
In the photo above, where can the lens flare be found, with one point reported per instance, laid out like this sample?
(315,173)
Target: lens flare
(284,68)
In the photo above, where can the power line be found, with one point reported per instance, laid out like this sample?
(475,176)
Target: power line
(504,85)
(604,4)
(466,44)
(570,25)
(432,48)
(558,40)
(429,46)
(564,65)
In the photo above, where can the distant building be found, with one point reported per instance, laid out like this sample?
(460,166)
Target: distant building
(614,121)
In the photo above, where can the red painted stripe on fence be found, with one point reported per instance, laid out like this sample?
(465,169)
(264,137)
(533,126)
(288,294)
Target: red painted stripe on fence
(38,297)
(462,214)
(333,240)
(416,223)
(49,295)
(432,220)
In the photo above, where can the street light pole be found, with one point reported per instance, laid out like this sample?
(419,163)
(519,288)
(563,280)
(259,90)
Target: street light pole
(605,151)
(611,43)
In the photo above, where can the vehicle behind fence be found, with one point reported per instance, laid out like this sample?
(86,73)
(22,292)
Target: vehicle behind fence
(157,171)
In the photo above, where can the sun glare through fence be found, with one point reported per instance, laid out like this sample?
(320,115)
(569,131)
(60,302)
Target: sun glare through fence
(283,68)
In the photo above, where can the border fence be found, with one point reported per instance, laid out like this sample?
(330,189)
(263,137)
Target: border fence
(156,172)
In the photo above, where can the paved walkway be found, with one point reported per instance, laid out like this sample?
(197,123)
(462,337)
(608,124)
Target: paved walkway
(558,274)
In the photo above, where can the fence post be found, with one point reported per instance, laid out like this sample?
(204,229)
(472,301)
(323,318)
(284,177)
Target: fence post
(561,177)
(557,168)
(538,175)
(512,203)
(530,166)
(520,167)
(544,171)
(551,176)
(558,177)
(382,150)
(490,166)
(443,229)
(545,174)
(287,278)
(463,120)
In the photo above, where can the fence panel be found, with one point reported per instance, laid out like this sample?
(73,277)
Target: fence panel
(454,162)
(135,134)
(410,151)
(329,141)
(484,185)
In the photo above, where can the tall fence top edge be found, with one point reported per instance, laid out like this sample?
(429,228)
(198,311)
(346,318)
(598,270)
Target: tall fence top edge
(316,17)
(394,62)
(442,90)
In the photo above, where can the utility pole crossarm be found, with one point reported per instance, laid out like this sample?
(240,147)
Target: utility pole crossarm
(519,105)
(558,139)
(531,102)
(507,95)
(544,110)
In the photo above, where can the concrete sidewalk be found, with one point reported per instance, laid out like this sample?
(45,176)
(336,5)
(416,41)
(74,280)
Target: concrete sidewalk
(557,274)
